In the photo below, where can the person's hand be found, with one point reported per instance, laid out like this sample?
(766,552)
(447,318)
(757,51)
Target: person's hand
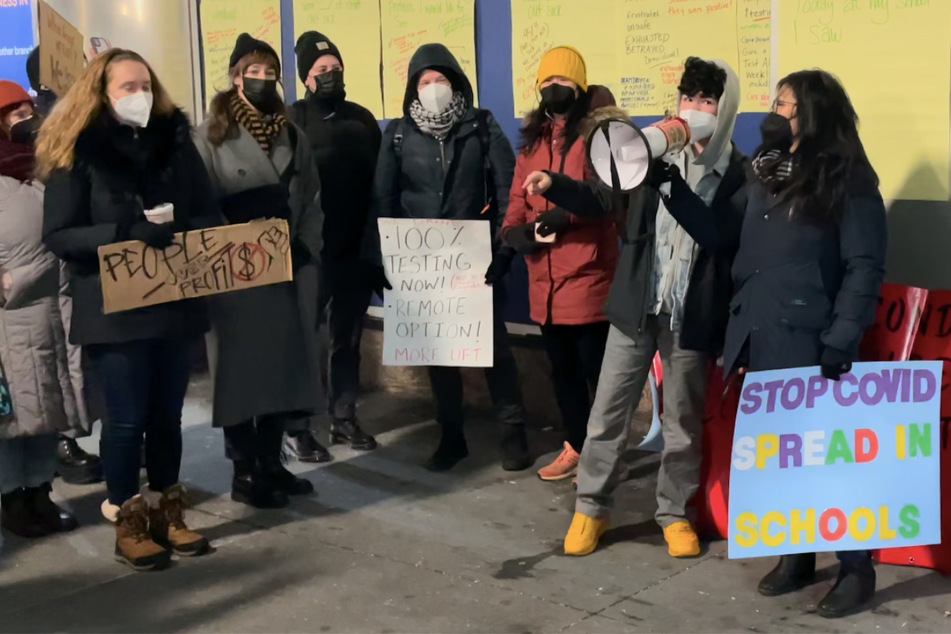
(662,172)
(522,238)
(154,235)
(555,220)
(498,268)
(834,371)
(378,281)
(537,183)
(7,282)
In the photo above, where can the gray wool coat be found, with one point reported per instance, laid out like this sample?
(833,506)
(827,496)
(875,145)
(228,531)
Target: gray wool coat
(32,337)
(263,347)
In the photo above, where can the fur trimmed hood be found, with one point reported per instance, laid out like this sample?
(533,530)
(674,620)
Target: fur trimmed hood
(596,117)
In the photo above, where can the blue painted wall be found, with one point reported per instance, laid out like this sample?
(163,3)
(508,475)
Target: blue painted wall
(494,66)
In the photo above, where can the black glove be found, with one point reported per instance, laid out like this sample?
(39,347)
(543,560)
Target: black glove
(662,172)
(377,280)
(522,238)
(835,363)
(156,236)
(501,263)
(555,220)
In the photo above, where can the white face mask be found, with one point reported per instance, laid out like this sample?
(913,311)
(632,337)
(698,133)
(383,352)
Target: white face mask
(702,124)
(134,109)
(436,97)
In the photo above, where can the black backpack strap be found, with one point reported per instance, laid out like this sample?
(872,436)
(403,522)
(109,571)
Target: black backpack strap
(398,139)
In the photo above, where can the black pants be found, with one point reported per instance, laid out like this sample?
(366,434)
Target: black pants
(343,304)
(575,353)
(502,378)
(256,438)
(144,384)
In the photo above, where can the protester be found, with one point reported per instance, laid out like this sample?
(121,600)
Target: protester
(263,348)
(809,270)
(447,159)
(345,139)
(32,341)
(569,278)
(669,295)
(114,147)
(75,465)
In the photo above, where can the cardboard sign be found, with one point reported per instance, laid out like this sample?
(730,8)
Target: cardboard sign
(821,465)
(440,309)
(199,263)
(61,51)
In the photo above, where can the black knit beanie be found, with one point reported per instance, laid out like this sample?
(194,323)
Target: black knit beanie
(245,45)
(33,69)
(310,47)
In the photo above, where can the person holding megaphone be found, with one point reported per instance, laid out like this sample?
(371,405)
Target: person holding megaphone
(669,294)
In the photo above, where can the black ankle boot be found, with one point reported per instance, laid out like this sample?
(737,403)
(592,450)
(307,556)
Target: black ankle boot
(854,588)
(515,456)
(252,487)
(305,448)
(452,448)
(57,519)
(18,517)
(74,465)
(790,574)
(349,432)
(283,480)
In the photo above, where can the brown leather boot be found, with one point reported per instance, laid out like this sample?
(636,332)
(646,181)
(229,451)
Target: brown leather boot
(134,545)
(167,525)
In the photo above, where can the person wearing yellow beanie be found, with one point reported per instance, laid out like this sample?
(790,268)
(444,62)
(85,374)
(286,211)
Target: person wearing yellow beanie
(563,61)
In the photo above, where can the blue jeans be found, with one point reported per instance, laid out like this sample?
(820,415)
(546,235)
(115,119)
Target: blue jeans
(143,384)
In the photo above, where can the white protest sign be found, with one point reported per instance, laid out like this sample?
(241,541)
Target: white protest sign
(440,309)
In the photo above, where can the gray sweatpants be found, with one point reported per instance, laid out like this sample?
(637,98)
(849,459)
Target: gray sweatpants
(623,375)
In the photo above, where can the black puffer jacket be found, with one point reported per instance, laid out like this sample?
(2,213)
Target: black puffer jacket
(422,177)
(117,173)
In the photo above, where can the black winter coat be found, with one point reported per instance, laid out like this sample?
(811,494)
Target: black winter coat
(706,306)
(345,139)
(420,176)
(118,172)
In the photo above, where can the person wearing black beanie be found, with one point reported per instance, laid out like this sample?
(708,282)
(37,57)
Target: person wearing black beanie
(45,98)
(345,138)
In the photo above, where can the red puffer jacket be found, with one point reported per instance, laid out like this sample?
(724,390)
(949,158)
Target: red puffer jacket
(568,280)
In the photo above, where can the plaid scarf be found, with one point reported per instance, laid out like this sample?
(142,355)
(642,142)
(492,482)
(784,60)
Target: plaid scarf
(773,168)
(439,125)
(264,128)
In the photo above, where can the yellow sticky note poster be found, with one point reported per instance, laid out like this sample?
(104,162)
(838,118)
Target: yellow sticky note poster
(408,24)
(354,27)
(893,59)
(754,26)
(656,36)
(540,25)
(221,23)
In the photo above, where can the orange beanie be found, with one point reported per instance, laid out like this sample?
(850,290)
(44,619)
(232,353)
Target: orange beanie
(12,93)
(564,61)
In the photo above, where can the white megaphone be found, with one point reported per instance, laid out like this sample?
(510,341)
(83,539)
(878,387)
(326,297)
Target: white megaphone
(633,149)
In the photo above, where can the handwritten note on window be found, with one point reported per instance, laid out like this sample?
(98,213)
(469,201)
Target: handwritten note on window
(892,56)
(221,23)
(440,309)
(354,27)
(407,24)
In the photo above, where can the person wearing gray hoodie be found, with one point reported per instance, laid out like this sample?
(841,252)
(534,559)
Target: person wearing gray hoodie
(669,296)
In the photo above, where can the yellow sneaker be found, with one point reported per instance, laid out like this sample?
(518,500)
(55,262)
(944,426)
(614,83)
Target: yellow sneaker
(583,536)
(682,540)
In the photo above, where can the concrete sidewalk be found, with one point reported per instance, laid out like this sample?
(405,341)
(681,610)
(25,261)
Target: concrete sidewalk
(386,546)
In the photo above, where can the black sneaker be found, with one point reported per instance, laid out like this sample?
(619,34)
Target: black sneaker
(853,590)
(305,448)
(452,449)
(348,432)
(76,466)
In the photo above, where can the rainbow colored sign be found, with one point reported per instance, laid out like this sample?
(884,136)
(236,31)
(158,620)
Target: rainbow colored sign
(822,466)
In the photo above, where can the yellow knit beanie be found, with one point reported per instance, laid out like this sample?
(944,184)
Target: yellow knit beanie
(563,61)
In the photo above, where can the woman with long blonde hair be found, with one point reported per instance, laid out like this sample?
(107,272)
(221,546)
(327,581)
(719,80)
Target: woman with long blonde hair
(264,347)
(114,148)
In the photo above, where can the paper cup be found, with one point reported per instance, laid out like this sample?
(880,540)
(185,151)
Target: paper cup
(161,214)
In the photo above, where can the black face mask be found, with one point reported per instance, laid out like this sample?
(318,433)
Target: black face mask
(262,94)
(330,85)
(25,131)
(776,132)
(558,99)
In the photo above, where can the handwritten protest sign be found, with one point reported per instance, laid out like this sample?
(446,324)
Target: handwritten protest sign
(199,263)
(440,309)
(826,466)
(61,50)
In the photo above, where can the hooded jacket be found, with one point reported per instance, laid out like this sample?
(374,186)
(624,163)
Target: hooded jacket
(427,178)
(569,279)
